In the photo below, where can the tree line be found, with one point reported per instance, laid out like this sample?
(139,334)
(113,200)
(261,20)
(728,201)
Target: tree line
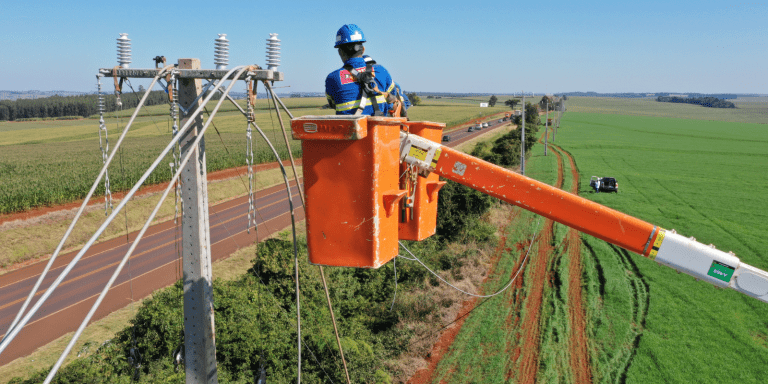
(710,102)
(80,106)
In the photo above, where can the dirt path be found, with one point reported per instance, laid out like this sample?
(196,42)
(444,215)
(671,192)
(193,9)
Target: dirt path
(440,348)
(578,339)
(529,365)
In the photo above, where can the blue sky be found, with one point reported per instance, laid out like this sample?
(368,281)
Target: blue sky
(442,46)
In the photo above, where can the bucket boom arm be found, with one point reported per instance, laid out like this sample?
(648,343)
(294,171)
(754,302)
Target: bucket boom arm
(665,247)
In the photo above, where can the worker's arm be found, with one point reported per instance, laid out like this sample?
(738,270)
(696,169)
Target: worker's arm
(666,247)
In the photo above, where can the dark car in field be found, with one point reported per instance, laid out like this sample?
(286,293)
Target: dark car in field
(604,184)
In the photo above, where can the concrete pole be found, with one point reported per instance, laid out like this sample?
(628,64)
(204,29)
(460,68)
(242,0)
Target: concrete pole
(199,332)
(546,129)
(522,141)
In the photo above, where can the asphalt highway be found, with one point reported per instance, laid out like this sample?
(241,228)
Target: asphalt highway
(156,263)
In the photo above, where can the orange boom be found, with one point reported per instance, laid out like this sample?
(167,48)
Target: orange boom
(354,184)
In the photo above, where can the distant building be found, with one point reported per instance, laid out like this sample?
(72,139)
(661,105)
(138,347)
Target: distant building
(650,94)
(483,105)
(674,95)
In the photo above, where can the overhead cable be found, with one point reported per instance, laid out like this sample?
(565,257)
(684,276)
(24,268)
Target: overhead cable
(509,284)
(129,195)
(135,243)
(95,185)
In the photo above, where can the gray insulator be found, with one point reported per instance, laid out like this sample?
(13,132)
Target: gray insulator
(221,51)
(124,50)
(273,52)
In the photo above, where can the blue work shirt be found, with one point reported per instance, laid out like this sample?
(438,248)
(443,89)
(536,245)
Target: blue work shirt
(343,92)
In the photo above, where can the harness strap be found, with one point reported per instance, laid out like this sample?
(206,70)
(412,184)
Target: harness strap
(368,86)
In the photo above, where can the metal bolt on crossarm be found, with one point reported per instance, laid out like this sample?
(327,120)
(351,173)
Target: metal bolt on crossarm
(124,50)
(221,51)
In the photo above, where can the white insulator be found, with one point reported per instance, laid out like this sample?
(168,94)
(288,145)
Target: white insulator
(221,51)
(124,50)
(273,52)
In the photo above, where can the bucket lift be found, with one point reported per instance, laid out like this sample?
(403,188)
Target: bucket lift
(370,181)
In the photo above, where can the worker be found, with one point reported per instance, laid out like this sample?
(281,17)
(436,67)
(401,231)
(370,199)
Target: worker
(357,87)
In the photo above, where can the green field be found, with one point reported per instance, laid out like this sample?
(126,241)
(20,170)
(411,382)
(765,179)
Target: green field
(46,162)
(705,179)
(748,109)
(646,323)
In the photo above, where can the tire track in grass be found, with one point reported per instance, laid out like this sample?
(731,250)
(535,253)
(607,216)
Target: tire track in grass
(579,353)
(444,342)
(531,326)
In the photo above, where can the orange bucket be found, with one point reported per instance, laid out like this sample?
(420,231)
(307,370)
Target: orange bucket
(350,166)
(419,222)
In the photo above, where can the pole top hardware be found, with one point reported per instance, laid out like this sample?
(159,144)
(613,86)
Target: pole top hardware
(149,73)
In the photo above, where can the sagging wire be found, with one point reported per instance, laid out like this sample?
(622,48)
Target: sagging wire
(135,243)
(173,92)
(275,100)
(104,148)
(12,331)
(295,246)
(394,296)
(483,302)
(509,284)
(249,151)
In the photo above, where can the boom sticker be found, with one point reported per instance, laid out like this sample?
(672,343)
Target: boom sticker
(721,271)
(418,153)
(657,244)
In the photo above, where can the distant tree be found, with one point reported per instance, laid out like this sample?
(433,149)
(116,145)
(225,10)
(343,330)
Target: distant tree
(532,114)
(511,103)
(430,97)
(414,98)
(546,102)
(141,88)
(492,101)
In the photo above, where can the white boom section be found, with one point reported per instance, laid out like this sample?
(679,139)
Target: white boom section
(709,264)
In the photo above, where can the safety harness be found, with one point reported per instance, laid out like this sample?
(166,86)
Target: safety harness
(370,90)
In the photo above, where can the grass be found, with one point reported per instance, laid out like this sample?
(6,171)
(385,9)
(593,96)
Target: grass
(482,350)
(37,239)
(749,109)
(44,163)
(702,178)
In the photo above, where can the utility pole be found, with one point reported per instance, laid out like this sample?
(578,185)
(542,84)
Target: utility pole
(546,129)
(522,141)
(199,332)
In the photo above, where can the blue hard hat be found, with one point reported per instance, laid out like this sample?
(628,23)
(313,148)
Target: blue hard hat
(349,33)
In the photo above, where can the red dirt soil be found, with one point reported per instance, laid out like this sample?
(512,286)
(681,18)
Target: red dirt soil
(96,200)
(440,348)
(578,340)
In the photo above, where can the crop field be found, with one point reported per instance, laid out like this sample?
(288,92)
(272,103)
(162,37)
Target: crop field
(43,163)
(706,179)
(645,323)
(748,109)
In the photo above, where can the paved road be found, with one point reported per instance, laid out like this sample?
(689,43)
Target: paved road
(155,264)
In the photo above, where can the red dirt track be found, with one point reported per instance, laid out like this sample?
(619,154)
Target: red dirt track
(578,340)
